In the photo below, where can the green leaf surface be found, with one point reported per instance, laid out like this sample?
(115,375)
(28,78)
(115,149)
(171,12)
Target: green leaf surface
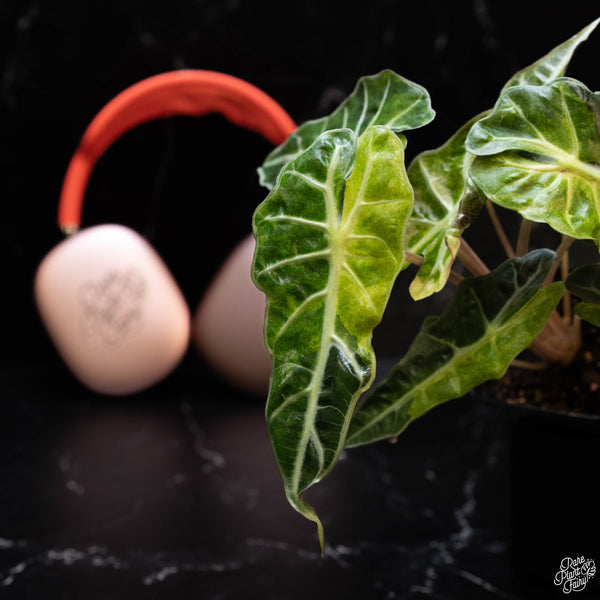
(329,247)
(588,312)
(489,321)
(445,205)
(538,153)
(445,202)
(383,99)
(553,64)
(584,282)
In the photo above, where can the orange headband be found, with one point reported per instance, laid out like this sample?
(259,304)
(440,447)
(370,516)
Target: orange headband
(186,92)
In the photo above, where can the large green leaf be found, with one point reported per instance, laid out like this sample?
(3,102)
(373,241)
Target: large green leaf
(329,246)
(382,99)
(489,321)
(538,153)
(553,64)
(584,282)
(445,204)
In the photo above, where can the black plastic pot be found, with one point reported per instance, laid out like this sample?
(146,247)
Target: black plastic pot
(554,495)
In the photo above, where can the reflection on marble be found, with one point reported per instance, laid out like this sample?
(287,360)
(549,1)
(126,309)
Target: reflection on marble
(175,491)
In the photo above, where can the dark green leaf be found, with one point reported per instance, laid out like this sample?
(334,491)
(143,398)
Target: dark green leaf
(384,99)
(329,247)
(490,320)
(584,282)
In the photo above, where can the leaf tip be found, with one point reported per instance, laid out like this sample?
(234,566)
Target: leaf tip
(308,512)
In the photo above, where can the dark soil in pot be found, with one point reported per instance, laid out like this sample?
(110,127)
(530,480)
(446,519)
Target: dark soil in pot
(575,388)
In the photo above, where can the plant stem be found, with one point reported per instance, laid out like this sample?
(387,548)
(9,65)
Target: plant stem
(564,245)
(567,308)
(508,249)
(523,239)
(531,366)
(469,258)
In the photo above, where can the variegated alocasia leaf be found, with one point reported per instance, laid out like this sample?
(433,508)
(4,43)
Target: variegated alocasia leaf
(584,282)
(445,205)
(329,247)
(489,321)
(383,99)
(445,202)
(538,153)
(553,64)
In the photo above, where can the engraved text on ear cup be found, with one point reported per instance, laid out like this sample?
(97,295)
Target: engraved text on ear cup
(112,309)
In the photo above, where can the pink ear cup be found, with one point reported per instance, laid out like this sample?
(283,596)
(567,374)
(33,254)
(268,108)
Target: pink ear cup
(228,324)
(113,310)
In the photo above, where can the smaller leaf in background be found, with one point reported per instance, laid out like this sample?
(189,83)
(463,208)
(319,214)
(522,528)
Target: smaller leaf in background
(383,99)
(538,153)
(489,321)
(588,312)
(445,205)
(584,282)
(445,201)
(330,243)
(554,64)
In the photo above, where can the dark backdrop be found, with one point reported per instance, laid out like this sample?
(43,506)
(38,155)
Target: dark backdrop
(190,184)
(174,493)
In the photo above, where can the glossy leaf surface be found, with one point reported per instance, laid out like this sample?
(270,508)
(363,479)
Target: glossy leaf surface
(329,246)
(489,321)
(383,99)
(538,153)
(445,205)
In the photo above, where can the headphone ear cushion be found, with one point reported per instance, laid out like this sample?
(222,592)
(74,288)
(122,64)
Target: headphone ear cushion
(227,328)
(112,309)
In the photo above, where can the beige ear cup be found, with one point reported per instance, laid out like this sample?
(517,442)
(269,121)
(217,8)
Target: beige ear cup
(112,309)
(228,324)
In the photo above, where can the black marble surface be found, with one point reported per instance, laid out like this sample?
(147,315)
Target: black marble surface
(173,493)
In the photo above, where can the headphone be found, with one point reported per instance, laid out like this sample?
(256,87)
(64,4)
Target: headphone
(109,303)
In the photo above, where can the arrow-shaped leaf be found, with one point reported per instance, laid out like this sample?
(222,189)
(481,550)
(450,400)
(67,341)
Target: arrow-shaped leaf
(489,321)
(445,205)
(329,246)
(539,153)
(553,64)
(382,99)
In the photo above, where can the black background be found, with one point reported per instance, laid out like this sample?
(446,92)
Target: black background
(83,507)
(190,184)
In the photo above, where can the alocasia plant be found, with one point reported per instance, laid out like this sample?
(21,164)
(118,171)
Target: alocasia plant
(344,217)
